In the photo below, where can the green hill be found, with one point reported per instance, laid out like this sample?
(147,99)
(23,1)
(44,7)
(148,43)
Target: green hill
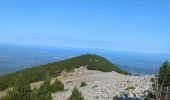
(93,62)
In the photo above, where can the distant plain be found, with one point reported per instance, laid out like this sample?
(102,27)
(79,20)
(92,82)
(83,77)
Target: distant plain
(15,57)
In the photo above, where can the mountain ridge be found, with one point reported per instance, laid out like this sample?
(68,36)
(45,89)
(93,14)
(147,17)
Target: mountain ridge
(92,61)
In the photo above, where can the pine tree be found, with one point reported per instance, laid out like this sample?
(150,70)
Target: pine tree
(57,86)
(76,95)
(164,74)
(21,90)
(44,92)
(162,82)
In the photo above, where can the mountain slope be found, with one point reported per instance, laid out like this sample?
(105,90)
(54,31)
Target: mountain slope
(93,62)
(104,86)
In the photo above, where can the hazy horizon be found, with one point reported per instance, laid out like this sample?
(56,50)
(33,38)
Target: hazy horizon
(17,57)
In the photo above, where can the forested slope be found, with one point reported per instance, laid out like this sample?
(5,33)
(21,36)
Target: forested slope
(93,62)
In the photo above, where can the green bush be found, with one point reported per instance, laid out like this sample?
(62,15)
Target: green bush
(83,84)
(76,95)
(116,98)
(57,86)
(130,88)
(95,86)
(44,92)
(21,90)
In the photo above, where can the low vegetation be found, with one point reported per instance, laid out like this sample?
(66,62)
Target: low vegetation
(93,62)
(76,95)
(57,86)
(83,84)
(116,98)
(95,86)
(22,90)
(130,88)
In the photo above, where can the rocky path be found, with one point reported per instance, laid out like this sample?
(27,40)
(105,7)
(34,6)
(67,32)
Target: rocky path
(103,85)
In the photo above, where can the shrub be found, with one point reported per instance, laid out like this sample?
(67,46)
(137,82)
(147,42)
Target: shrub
(57,86)
(21,90)
(83,84)
(94,86)
(44,92)
(76,95)
(116,98)
(130,88)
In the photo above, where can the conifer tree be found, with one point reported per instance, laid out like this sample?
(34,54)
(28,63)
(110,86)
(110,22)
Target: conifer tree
(21,90)
(76,95)
(57,86)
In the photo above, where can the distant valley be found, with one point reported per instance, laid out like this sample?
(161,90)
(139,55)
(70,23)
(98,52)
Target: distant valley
(13,58)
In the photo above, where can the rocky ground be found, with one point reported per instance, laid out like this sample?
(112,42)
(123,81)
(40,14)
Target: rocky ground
(104,85)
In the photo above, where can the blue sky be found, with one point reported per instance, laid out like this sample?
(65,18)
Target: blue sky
(125,25)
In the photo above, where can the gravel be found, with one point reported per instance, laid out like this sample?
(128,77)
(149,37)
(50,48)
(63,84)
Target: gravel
(103,85)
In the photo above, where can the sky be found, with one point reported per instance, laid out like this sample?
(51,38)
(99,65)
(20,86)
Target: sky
(122,25)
